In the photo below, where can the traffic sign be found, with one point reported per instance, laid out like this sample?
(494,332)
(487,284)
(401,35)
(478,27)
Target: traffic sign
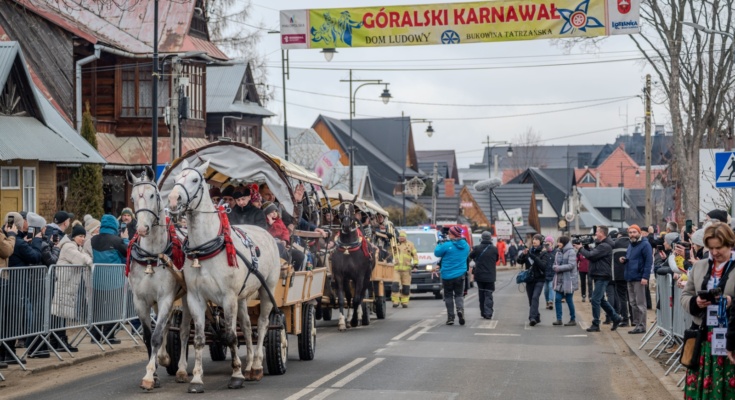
(725,169)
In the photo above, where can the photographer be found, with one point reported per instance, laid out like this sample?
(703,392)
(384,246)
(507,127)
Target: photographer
(536,259)
(709,291)
(601,272)
(454,253)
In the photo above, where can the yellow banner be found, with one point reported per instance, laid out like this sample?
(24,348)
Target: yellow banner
(455,23)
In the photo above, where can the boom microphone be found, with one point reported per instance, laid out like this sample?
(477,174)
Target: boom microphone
(487,184)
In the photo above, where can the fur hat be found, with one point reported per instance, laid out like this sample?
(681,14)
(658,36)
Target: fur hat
(241,192)
(90,223)
(35,220)
(17,218)
(78,230)
(228,191)
(486,236)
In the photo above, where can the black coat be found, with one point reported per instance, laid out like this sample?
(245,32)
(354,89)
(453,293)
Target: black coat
(537,260)
(600,259)
(619,250)
(485,255)
(248,215)
(25,254)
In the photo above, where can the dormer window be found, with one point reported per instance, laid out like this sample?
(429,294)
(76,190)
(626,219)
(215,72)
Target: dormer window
(588,178)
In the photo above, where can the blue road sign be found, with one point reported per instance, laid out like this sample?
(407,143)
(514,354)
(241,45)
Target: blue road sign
(725,169)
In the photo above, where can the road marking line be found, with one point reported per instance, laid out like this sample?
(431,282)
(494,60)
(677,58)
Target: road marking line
(357,373)
(419,333)
(378,350)
(497,334)
(574,336)
(421,324)
(406,332)
(323,395)
(324,379)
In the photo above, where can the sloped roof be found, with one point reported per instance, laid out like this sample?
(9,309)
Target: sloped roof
(427,168)
(446,158)
(600,197)
(553,190)
(545,156)
(129,28)
(389,135)
(223,84)
(589,216)
(510,196)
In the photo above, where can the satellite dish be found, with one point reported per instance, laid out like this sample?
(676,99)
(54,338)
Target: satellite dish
(569,216)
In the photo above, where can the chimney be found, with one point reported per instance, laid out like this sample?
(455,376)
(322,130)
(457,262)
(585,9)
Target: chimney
(449,187)
(597,179)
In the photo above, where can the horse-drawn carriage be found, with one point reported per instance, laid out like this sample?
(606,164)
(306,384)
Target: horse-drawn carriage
(295,291)
(382,272)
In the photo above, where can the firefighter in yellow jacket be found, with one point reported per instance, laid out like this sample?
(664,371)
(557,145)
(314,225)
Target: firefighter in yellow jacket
(405,257)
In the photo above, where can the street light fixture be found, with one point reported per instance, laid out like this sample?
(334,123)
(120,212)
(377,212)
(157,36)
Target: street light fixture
(329,54)
(385,96)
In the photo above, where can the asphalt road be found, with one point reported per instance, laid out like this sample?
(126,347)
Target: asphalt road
(413,355)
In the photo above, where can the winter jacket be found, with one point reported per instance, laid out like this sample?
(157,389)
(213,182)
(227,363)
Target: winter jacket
(512,251)
(638,261)
(620,249)
(108,248)
(502,248)
(248,215)
(49,252)
(454,255)
(486,259)
(600,259)
(583,264)
(550,274)
(279,231)
(566,275)
(53,229)
(26,254)
(7,244)
(537,260)
(69,279)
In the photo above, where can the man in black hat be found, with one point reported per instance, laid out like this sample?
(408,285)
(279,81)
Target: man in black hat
(62,220)
(227,196)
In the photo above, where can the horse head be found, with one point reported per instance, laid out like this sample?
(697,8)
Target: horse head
(190,189)
(146,200)
(346,213)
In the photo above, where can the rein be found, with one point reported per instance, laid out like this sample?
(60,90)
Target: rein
(189,197)
(143,257)
(212,248)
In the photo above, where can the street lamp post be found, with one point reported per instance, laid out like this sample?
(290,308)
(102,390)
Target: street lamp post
(404,142)
(489,173)
(732,52)
(385,96)
(622,189)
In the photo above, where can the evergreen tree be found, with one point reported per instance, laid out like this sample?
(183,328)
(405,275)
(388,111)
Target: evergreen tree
(85,185)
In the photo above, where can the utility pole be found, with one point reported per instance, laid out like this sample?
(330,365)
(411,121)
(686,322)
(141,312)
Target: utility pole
(434,189)
(154,90)
(174,121)
(649,204)
(286,71)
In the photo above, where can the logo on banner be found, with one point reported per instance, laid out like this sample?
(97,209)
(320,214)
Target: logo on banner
(578,19)
(623,6)
(333,30)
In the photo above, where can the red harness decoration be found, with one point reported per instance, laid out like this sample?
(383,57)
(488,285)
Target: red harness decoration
(227,232)
(129,259)
(362,246)
(177,254)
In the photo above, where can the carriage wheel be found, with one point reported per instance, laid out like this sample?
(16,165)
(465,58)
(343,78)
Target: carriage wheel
(307,337)
(218,351)
(173,344)
(380,307)
(276,346)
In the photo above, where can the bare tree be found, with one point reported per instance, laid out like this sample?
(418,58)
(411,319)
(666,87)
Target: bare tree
(526,151)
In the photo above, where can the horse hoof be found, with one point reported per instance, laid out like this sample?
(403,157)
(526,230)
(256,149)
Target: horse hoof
(256,375)
(235,383)
(156,383)
(182,377)
(353,323)
(147,385)
(196,388)
(342,328)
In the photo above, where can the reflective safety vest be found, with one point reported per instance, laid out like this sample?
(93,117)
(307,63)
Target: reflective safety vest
(406,256)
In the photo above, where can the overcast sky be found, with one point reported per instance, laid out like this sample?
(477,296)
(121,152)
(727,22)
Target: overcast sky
(596,76)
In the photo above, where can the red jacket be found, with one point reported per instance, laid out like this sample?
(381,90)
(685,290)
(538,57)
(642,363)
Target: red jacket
(582,263)
(279,231)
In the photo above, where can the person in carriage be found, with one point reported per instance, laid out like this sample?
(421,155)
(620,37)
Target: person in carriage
(244,212)
(384,237)
(363,215)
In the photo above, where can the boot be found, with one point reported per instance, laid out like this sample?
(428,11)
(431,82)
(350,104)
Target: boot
(557,322)
(460,315)
(584,298)
(593,328)
(571,323)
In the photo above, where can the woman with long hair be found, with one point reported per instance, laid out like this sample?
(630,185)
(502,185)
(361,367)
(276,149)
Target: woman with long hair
(566,279)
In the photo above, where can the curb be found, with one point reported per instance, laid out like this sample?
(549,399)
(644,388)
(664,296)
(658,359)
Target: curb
(68,362)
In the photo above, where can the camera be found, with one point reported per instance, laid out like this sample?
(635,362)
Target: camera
(55,238)
(123,226)
(710,295)
(584,240)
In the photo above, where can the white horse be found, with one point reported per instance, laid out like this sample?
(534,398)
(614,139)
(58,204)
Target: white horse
(214,280)
(152,286)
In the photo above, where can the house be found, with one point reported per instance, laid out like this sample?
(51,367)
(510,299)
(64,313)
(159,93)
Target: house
(83,52)
(35,141)
(234,109)
(448,209)
(505,197)
(446,161)
(635,143)
(385,145)
(553,193)
(614,204)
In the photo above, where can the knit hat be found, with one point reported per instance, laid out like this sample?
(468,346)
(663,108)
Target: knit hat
(455,231)
(635,228)
(78,230)
(549,239)
(90,224)
(720,215)
(17,219)
(671,238)
(228,191)
(255,197)
(128,211)
(698,237)
(269,207)
(35,220)
(486,236)
(61,216)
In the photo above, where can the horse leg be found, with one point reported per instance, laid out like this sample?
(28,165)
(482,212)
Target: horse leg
(164,308)
(196,307)
(367,287)
(144,314)
(164,316)
(230,309)
(247,332)
(341,301)
(256,373)
(184,331)
(356,301)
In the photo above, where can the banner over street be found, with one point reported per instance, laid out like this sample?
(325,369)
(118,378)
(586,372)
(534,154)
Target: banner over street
(455,23)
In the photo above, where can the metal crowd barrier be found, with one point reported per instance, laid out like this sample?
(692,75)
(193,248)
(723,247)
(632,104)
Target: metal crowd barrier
(39,303)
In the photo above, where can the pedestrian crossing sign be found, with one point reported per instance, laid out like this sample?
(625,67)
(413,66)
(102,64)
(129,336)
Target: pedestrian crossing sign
(725,169)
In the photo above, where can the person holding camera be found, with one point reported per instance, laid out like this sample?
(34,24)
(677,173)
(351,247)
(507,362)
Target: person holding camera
(566,279)
(537,260)
(454,253)
(707,297)
(601,272)
(638,261)
(486,256)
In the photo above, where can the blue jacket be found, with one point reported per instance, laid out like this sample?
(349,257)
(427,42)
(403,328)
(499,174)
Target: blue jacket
(639,259)
(108,248)
(454,255)
(25,254)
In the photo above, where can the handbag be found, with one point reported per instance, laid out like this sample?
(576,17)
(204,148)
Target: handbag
(692,348)
(524,276)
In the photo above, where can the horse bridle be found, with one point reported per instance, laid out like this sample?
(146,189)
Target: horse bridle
(189,198)
(148,210)
(346,214)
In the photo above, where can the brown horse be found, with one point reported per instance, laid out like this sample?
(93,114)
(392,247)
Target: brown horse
(352,260)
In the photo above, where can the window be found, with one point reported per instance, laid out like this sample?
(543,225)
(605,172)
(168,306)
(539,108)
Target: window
(137,87)
(195,90)
(615,214)
(540,206)
(29,189)
(588,178)
(9,178)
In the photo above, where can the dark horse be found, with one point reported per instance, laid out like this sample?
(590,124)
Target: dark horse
(353,260)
